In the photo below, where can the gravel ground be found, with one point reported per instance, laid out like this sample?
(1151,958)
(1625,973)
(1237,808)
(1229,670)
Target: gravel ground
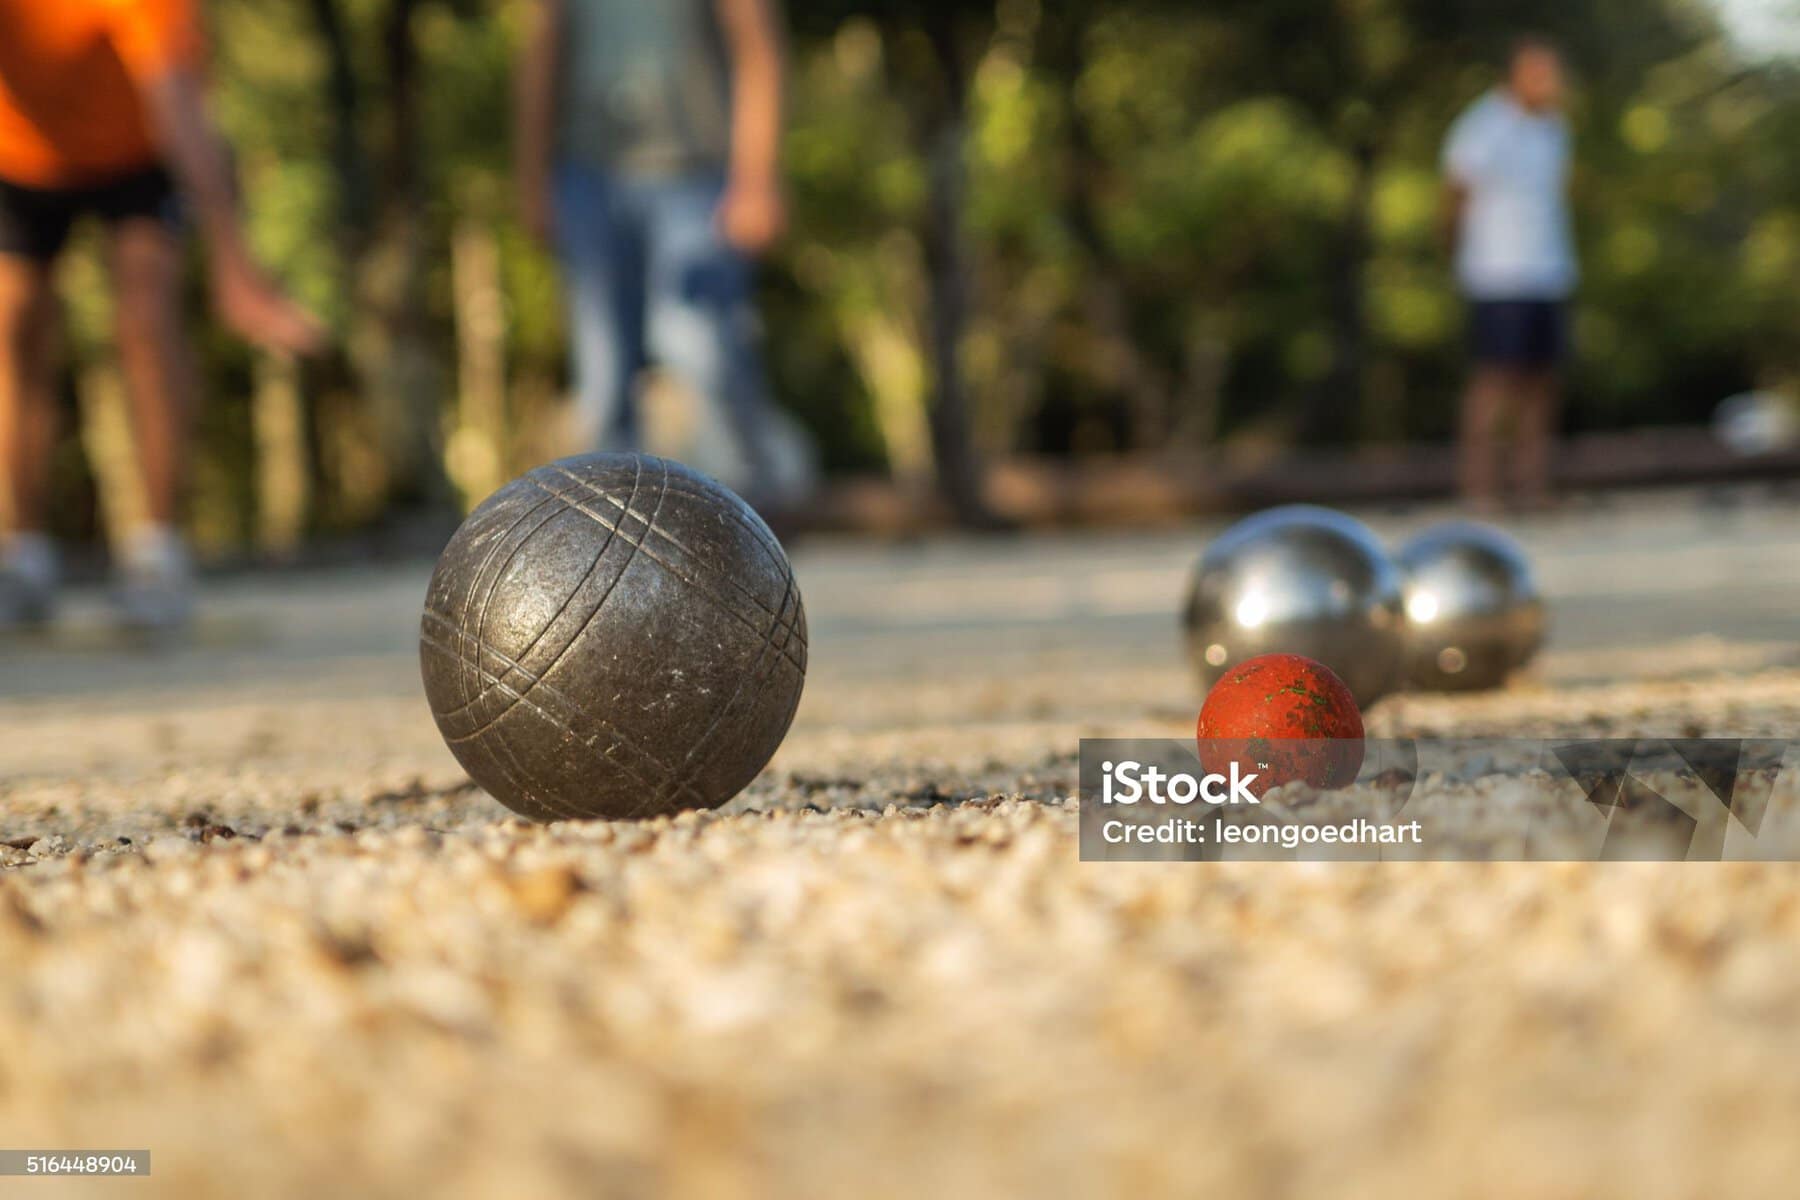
(253,917)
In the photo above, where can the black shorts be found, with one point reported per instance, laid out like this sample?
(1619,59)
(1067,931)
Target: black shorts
(1530,334)
(35,222)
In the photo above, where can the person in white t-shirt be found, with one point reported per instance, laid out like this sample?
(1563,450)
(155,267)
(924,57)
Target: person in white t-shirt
(1506,168)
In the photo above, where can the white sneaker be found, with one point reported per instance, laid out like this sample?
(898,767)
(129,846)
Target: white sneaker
(155,588)
(28,578)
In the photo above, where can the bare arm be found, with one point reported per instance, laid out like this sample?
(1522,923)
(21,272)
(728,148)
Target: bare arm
(534,112)
(246,300)
(752,212)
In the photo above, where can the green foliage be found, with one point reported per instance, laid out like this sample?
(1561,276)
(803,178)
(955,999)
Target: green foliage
(1180,218)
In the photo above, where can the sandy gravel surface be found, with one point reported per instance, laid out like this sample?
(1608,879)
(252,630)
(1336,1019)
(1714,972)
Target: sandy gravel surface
(252,918)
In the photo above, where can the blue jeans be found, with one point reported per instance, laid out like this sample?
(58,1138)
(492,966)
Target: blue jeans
(649,276)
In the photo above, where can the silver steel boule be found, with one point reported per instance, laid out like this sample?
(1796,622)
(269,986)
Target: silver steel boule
(1298,580)
(1474,614)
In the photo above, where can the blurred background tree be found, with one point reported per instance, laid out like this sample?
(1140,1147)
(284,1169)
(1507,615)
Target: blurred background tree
(1020,227)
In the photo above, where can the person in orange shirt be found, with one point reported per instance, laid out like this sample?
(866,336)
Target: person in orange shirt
(103,114)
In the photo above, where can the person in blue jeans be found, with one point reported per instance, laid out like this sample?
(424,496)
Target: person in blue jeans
(648,137)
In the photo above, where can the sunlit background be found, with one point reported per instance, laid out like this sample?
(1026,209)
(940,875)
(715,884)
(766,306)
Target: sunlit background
(1206,230)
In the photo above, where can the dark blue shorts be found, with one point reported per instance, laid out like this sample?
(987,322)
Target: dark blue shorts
(1529,334)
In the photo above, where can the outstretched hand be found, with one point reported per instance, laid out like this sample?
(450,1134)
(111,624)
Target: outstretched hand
(251,306)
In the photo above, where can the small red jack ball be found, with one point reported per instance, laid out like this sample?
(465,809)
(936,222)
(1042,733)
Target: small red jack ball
(1285,718)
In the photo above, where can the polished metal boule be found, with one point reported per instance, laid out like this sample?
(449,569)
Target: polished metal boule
(1298,580)
(613,635)
(1474,613)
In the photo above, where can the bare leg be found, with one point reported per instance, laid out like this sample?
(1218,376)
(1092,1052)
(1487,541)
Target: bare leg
(155,594)
(28,337)
(153,354)
(1488,395)
(1538,402)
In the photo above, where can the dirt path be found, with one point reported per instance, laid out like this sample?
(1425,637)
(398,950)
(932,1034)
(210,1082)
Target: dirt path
(252,918)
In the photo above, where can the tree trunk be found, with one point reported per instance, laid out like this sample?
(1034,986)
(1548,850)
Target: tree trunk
(478,450)
(345,104)
(283,457)
(959,474)
(354,215)
(400,373)
(1339,402)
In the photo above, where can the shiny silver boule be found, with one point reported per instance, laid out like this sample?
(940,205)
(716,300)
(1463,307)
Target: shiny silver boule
(1474,614)
(1298,580)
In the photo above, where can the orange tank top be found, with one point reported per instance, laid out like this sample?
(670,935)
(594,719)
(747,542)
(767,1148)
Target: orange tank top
(71,109)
